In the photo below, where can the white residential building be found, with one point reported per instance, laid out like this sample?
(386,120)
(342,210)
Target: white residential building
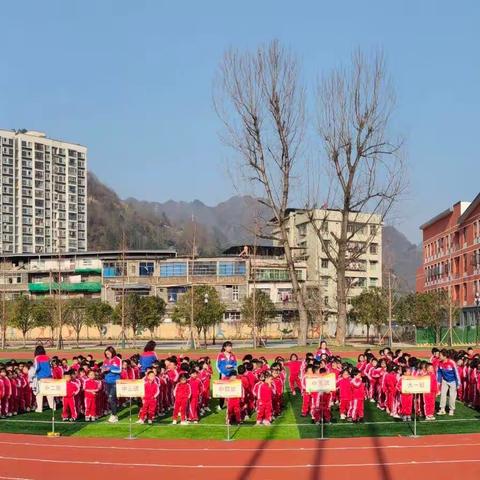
(365,232)
(43,194)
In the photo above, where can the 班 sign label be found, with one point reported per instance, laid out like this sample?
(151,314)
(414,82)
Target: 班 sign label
(227,389)
(321,383)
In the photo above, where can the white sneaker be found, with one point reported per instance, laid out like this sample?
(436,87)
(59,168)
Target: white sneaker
(87,419)
(185,422)
(266,422)
(207,409)
(219,408)
(150,422)
(174,422)
(441,412)
(451,413)
(342,416)
(113,419)
(246,417)
(140,421)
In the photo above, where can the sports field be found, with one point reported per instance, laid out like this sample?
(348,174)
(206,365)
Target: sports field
(290,426)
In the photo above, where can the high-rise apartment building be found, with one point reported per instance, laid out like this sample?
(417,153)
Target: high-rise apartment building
(43,194)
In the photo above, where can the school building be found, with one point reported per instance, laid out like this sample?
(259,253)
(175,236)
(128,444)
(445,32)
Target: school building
(107,275)
(451,258)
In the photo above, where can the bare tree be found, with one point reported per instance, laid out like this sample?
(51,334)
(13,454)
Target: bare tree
(261,102)
(364,161)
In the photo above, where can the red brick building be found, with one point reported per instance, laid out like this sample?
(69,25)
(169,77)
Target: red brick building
(451,256)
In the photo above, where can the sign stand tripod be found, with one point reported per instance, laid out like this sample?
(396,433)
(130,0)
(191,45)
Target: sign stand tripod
(130,436)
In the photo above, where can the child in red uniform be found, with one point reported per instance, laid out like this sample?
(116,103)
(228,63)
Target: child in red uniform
(252,381)
(196,388)
(321,404)
(69,411)
(205,377)
(429,398)
(294,366)
(91,389)
(264,392)
(149,401)
(406,399)
(246,390)
(181,393)
(306,396)
(234,414)
(391,390)
(277,396)
(355,413)
(344,385)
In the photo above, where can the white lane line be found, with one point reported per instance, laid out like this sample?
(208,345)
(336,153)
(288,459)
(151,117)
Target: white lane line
(221,425)
(246,449)
(14,478)
(221,467)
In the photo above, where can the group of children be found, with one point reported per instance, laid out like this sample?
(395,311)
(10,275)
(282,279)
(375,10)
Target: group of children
(182,386)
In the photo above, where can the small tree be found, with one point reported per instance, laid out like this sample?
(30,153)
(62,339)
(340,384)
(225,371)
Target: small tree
(21,317)
(370,308)
(44,314)
(153,313)
(133,313)
(75,315)
(260,308)
(208,310)
(98,315)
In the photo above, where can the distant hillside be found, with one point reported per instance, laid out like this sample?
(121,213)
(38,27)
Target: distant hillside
(169,225)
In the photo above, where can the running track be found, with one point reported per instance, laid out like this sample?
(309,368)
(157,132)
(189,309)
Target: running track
(436,457)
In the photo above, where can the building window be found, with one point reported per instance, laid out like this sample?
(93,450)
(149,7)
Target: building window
(174,269)
(373,266)
(324,263)
(324,282)
(284,295)
(173,293)
(373,248)
(373,282)
(228,269)
(232,316)
(373,230)
(200,269)
(235,293)
(146,269)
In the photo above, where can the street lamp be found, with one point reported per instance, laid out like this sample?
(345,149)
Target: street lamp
(477,314)
(205,298)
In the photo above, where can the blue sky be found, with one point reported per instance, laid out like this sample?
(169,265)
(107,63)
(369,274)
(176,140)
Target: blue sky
(132,80)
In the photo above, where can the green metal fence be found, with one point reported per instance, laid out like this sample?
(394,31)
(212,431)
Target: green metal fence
(460,336)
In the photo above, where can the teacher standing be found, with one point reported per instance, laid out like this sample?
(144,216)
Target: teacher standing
(111,368)
(226,362)
(42,370)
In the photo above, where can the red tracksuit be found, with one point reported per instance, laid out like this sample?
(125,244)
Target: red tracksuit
(196,388)
(277,396)
(358,399)
(406,401)
(182,393)
(149,402)
(69,402)
(345,390)
(264,394)
(429,398)
(205,376)
(391,392)
(172,375)
(91,397)
(321,406)
(7,392)
(306,399)
(294,367)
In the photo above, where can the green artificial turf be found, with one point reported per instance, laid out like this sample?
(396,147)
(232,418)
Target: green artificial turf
(291,425)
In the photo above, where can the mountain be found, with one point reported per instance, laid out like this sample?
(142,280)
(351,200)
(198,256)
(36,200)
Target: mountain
(402,256)
(169,225)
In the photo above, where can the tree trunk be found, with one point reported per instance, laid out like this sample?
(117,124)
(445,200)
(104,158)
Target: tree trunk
(342,282)
(297,291)
(78,338)
(368,333)
(205,336)
(24,339)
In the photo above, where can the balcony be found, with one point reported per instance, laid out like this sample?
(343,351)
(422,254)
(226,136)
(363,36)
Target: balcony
(83,287)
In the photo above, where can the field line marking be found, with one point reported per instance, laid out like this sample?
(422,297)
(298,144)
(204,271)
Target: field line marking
(247,449)
(221,467)
(14,478)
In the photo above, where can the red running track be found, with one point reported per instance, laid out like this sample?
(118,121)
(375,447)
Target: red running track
(437,457)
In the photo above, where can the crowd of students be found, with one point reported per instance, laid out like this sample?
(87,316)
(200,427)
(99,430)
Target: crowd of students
(181,386)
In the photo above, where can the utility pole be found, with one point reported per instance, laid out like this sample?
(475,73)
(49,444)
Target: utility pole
(59,301)
(390,331)
(192,299)
(123,336)
(4,309)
